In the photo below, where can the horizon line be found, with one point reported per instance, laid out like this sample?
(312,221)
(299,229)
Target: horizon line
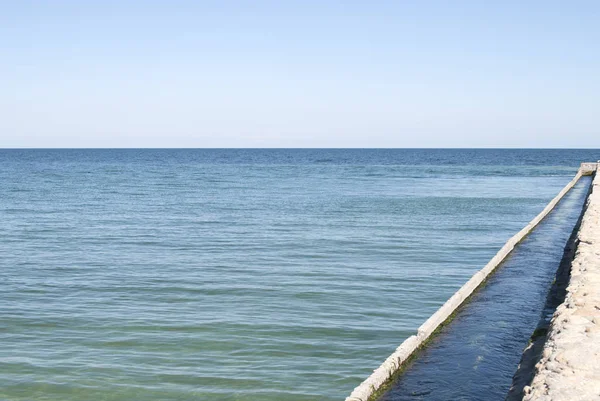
(293,148)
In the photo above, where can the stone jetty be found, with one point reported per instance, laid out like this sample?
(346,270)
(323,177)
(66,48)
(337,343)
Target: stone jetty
(569,368)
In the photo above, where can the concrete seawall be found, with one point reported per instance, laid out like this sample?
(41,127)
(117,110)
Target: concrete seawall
(369,388)
(569,368)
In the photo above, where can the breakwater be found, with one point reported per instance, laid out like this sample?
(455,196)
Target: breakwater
(569,368)
(381,376)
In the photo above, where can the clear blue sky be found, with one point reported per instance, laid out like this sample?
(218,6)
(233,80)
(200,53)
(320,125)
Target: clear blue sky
(299,73)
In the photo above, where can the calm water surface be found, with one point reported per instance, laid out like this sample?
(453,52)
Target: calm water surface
(241,274)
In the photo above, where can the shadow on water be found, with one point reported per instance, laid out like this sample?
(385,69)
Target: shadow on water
(475,356)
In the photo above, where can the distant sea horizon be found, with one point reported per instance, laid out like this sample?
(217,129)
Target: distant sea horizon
(291,148)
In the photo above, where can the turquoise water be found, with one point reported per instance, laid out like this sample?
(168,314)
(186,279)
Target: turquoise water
(241,274)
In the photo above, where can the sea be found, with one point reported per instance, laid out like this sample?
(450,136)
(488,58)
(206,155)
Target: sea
(242,274)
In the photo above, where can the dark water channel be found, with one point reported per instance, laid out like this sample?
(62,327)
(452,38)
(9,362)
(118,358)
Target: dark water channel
(475,356)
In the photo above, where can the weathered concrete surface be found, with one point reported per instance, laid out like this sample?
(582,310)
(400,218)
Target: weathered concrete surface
(588,168)
(380,376)
(570,365)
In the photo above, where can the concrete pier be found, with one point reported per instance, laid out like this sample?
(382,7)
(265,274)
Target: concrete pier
(369,389)
(569,368)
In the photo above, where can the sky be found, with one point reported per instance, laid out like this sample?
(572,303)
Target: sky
(299,73)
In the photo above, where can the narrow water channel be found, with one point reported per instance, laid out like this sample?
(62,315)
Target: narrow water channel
(475,356)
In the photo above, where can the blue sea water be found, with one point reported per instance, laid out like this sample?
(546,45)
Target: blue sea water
(241,274)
